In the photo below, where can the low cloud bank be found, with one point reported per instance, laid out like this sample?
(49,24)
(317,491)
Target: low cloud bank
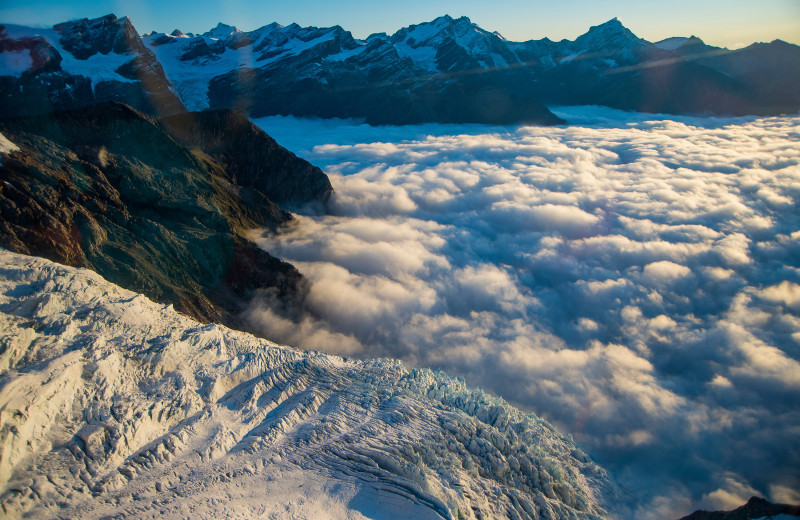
(634,279)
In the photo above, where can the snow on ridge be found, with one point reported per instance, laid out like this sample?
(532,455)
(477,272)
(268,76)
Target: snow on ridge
(14,63)
(98,67)
(423,56)
(156,413)
(221,31)
(347,54)
(7,146)
(671,44)
(191,78)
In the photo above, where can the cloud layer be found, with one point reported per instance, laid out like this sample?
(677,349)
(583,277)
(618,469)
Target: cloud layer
(634,279)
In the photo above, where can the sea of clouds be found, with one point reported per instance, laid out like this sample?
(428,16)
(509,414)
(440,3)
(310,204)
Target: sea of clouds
(632,278)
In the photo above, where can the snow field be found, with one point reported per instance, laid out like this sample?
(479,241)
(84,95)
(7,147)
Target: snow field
(111,404)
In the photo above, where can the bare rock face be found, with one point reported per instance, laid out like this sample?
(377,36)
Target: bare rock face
(85,38)
(251,156)
(755,508)
(109,44)
(110,188)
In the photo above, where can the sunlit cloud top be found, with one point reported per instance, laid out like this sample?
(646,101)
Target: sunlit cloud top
(633,278)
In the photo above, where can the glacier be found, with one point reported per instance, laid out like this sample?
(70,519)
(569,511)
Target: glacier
(113,405)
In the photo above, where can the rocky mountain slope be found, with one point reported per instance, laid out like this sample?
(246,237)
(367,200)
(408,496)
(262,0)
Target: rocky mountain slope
(79,63)
(114,406)
(447,70)
(158,206)
(754,508)
(451,70)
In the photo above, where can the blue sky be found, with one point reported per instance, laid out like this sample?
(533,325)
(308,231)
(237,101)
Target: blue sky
(730,23)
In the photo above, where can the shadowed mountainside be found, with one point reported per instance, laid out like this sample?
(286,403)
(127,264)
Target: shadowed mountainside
(448,70)
(754,508)
(110,188)
(252,158)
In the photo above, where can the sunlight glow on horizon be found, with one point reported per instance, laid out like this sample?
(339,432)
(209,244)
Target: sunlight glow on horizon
(722,23)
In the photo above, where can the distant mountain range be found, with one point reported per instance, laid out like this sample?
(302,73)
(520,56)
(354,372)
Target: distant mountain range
(447,70)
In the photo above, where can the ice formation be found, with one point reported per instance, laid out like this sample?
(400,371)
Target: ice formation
(111,404)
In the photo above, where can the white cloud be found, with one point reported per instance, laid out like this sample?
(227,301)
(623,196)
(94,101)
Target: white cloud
(664,271)
(785,494)
(732,495)
(634,279)
(519,217)
(786,293)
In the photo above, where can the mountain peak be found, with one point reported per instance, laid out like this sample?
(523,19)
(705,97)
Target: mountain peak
(609,34)
(678,42)
(611,26)
(446,21)
(756,507)
(86,37)
(270,27)
(221,31)
(444,24)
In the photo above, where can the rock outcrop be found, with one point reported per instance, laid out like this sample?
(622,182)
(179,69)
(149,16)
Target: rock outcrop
(754,509)
(80,63)
(133,198)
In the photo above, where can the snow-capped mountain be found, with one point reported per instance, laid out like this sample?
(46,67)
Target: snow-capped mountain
(193,62)
(610,37)
(419,74)
(78,63)
(221,31)
(446,70)
(111,404)
(452,70)
(448,45)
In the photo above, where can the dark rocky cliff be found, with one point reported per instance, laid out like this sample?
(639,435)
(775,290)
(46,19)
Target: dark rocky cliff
(252,157)
(109,188)
(754,508)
